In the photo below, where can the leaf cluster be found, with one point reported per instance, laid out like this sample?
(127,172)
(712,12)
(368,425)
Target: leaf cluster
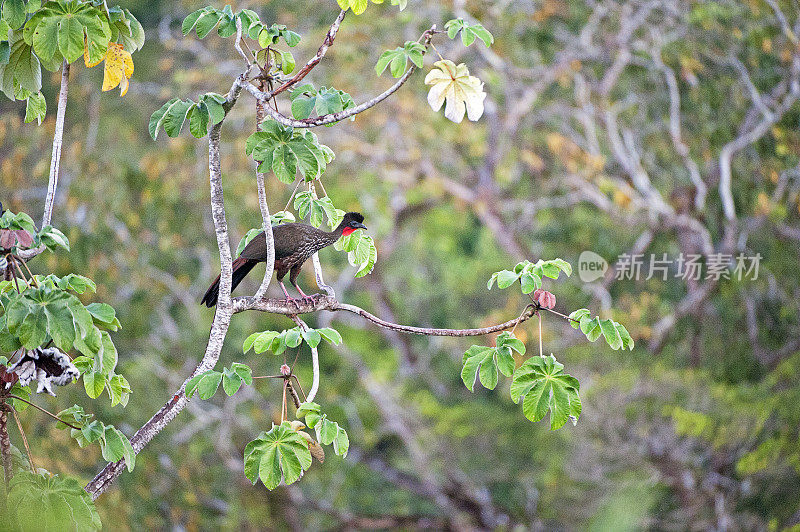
(113,443)
(287,152)
(361,251)
(397,59)
(307,205)
(36,316)
(529,274)
(206,112)
(484,362)
(278,342)
(328,432)
(307,100)
(469,32)
(207,383)
(615,334)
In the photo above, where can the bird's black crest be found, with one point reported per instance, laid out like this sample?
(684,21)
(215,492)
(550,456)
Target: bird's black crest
(356,216)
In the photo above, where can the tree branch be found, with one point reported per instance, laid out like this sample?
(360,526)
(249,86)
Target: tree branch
(314,362)
(266,221)
(55,159)
(279,306)
(58,137)
(314,61)
(222,316)
(347,113)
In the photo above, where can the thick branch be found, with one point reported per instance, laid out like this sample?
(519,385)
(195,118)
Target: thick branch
(222,316)
(55,159)
(58,137)
(266,221)
(5,443)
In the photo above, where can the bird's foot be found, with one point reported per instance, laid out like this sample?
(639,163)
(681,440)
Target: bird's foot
(293,301)
(308,299)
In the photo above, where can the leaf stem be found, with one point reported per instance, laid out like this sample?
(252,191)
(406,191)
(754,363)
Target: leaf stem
(52,415)
(24,441)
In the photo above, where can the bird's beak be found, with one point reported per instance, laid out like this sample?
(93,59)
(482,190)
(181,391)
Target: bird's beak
(361,226)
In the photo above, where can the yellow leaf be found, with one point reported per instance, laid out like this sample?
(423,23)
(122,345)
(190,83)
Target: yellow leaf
(86,60)
(118,68)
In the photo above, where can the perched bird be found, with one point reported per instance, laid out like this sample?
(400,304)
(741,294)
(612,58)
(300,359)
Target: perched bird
(294,244)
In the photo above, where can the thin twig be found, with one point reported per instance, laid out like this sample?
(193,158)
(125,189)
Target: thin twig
(314,61)
(37,407)
(24,441)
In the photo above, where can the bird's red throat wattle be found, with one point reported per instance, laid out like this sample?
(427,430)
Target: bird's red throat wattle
(347,231)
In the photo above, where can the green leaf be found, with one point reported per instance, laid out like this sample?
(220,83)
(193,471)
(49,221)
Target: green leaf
(473,358)
(206,384)
(119,390)
(157,118)
(198,120)
(625,336)
(331,335)
(306,408)
(32,331)
(176,116)
(38,501)
(488,373)
(278,454)
(231,381)
(341,443)
(191,20)
(506,278)
(14,13)
(23,69)
(577,316)
(5,48)
(591,328)
(244,372)
(293,337)
(544,386)
(312,337)
(94,382)
(611,334)
(102,313)
(52,238)
(36,108)
(115,446)
(287,62)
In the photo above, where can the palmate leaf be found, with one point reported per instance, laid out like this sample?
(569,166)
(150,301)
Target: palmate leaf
(60,28)
(280,454)
(43,503)
(469,32)
(397,59)
(615,334)
(454,85)
(328,432)
(543,387)
(286,152)
(23,69)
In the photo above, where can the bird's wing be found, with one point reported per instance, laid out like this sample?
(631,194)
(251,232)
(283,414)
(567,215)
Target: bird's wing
(288,238)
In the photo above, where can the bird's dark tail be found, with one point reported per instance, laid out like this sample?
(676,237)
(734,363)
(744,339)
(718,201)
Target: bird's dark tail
(241,267)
